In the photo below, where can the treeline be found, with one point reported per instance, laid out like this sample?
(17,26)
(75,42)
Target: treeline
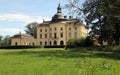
(101,16)
(5,41)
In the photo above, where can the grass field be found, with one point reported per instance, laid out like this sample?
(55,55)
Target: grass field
(58,62)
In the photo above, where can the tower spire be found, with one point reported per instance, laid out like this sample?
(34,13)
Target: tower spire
(59,9)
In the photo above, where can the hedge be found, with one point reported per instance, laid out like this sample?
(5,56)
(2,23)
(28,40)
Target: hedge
(19,47)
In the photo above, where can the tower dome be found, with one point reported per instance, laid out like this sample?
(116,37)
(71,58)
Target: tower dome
(59,16)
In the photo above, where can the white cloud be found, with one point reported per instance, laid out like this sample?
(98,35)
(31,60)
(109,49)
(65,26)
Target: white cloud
(22,18)
(11,30)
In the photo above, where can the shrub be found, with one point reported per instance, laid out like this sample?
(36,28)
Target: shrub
(83,42)
(116,48)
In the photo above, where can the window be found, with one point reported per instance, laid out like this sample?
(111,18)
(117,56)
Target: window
(75,28)
(55,28)
(45,30)
(61,43)
(69,35)
(40,35)
(69,28)
(50,29)
(61,29)
(45,43)
(55,43)
(33,44)
(61,34)
(41,43)
(50,43)
(16,43)
(75,34)
(50,35)
(55,35)
(45,35)
(40,30)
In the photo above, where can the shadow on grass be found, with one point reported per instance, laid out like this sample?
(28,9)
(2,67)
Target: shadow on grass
(67,54)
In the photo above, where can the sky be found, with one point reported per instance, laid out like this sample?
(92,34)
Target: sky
(16,14)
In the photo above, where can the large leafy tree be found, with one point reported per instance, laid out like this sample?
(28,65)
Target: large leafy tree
(102,16)
(1,39)
(5,41)
(32,29)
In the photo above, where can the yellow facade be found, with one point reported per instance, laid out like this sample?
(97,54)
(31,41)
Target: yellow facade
(59,33)
(55,32)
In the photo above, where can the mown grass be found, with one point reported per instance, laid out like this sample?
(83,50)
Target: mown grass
(57,61)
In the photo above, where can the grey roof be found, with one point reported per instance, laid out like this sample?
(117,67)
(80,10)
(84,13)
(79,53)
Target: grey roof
(21,35)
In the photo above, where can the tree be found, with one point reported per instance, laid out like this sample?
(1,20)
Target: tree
(102,16)
(32,29)
(6,41)
(1,39)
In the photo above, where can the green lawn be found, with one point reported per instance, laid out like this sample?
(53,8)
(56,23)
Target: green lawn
(58,62)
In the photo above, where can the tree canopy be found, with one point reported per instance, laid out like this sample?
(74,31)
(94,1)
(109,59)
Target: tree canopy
(31,29)
(102,17)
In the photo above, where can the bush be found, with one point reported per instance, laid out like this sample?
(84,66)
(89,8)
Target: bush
(116,48)
(83,42)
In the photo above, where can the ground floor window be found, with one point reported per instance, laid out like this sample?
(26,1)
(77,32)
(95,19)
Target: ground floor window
(45,43)
(61,43)
(41,43)
(55,42)
(50,43)
(33,44)
(16,43)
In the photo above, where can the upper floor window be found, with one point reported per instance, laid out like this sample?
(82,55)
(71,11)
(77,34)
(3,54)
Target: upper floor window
(75,34)
(69,28)
(55,35)
(45,30)
(61,28)
(50,35)
(75,28)
(45,35)
(55,28)
(50,29)
(61,34)
(40,30)
(69,35)
(40,35)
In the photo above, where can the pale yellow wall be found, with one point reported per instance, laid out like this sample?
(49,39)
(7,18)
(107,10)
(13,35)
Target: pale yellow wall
(58,31)
(81,32)
(23,41)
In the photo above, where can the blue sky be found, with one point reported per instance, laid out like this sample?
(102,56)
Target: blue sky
(16,14)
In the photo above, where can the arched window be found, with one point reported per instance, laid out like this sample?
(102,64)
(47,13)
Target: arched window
(55,42)
(16,43)
(45,43)
(33,44)
(61,43)
(40,43)
(50,43)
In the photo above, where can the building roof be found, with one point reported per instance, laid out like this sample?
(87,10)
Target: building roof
(21,35)
(60,18)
